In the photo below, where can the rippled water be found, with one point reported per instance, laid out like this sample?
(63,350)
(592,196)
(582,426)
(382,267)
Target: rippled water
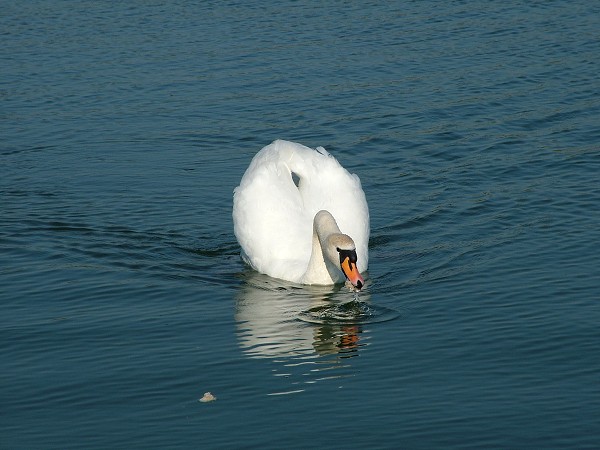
(124,128)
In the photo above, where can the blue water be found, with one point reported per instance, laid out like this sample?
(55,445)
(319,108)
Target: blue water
(125,126)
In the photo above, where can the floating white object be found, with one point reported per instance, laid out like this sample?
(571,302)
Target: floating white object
(207,397)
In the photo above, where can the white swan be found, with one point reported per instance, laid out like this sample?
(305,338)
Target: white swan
(289,209)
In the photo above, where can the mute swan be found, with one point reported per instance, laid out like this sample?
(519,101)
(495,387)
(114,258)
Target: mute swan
(289,209)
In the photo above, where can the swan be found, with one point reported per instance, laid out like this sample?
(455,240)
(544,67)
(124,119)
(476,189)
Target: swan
(299,216)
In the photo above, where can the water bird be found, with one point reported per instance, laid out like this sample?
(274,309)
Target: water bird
(299,216)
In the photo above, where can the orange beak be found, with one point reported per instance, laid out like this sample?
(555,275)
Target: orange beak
(351,272)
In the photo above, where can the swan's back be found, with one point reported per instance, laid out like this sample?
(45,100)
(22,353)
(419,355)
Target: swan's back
(273,210)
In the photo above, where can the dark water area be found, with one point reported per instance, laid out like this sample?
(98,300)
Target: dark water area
(475,130)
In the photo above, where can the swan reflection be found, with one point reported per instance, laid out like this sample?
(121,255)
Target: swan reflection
(268,320)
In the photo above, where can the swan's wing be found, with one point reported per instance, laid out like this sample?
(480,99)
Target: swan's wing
(270,222)
(325,184)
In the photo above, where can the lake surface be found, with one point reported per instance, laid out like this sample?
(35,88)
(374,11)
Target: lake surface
(125,127)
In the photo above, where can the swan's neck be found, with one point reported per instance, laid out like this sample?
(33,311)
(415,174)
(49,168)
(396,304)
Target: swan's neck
(322,266)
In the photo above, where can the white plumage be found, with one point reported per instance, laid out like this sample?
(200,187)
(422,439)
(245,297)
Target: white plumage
(274,208)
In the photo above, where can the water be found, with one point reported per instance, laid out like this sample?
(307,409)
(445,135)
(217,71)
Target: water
(124,128)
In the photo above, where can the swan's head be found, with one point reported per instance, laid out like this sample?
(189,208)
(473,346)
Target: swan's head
(346,253)
(348,266)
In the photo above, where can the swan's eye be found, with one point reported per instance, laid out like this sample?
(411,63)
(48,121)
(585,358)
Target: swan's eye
(350,254)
